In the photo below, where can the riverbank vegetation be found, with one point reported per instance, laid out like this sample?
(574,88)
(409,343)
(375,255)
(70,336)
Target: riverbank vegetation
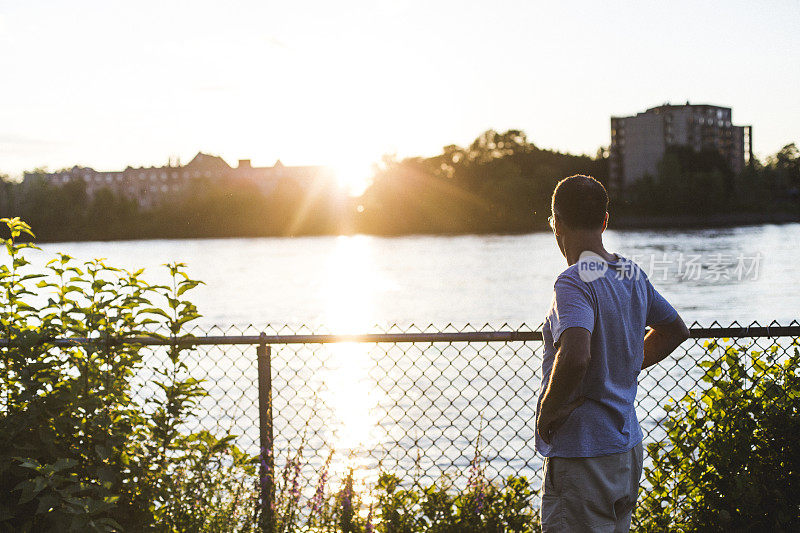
(81,448)
(95,436)
(730,458)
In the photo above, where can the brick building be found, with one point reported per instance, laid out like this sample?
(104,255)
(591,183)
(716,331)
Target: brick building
(148,185)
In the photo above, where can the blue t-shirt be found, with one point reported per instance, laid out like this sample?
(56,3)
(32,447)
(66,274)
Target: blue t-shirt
(614,301)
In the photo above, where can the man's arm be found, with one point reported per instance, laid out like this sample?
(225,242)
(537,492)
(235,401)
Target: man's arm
(662,340)
(571,362)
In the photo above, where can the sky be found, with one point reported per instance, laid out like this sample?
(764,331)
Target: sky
(110,84)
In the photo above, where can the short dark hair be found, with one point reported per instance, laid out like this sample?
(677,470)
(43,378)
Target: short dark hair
(580,202)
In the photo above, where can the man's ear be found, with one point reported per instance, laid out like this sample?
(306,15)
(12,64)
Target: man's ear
(605,222)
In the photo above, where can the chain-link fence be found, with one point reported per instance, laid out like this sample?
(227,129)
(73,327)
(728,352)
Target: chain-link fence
(420,402)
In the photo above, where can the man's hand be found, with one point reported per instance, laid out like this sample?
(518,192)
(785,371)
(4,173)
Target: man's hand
(547,423)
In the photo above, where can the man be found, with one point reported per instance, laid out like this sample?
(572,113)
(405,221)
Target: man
(594,348)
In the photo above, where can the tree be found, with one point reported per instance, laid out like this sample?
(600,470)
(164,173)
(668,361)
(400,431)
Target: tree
(787,163)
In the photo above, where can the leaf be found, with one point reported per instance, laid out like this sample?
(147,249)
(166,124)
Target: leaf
(31,488)
(63,464)
(33,464)
(186,286)
(155,311)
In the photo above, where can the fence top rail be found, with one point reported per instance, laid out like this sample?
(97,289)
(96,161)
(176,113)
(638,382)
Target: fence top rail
(416,337)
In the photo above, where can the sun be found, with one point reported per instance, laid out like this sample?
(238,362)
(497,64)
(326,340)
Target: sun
(353,176)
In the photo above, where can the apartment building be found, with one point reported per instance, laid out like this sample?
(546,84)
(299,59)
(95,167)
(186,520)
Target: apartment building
(639,142)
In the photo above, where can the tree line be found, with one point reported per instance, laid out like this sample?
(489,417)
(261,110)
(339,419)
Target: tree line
(500,183)
(700,183)
(204,208)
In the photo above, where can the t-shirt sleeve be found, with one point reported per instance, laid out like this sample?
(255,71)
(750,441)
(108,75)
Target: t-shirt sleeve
(659,310)
(572,307)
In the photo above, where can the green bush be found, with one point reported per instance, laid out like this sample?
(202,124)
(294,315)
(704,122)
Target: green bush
(79,450)
(483,507)
(731,460)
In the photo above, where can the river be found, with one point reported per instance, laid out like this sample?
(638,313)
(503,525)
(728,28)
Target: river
(359,281)
(398,402)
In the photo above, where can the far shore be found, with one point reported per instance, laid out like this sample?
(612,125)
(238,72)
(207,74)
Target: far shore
(716,220)
(617,222)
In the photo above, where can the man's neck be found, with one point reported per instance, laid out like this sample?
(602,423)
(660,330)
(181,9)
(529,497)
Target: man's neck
(586,242)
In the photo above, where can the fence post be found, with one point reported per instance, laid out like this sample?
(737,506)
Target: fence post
(267,457)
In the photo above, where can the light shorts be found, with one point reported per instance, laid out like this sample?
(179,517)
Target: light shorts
(592,494)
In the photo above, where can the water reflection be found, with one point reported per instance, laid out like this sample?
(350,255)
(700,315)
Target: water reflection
(347,388)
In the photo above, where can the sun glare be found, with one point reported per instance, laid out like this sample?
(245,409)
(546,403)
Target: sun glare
(348,389)
(353,176)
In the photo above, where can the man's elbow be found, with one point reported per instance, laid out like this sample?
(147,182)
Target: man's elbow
(683,332)
(676,331)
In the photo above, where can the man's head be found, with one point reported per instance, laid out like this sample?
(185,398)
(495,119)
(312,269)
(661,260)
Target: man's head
(580,207)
